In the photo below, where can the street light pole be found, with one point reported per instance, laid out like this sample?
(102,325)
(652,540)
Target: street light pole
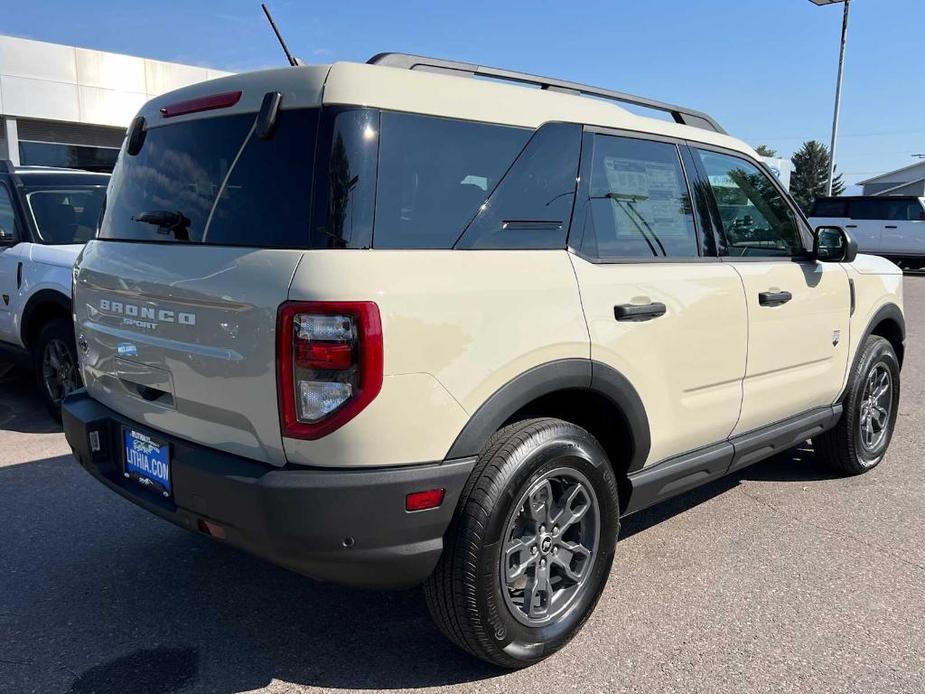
(841,74)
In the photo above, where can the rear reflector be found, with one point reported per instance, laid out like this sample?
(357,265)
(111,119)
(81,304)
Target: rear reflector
(422,501)
(211,529)
(202,103)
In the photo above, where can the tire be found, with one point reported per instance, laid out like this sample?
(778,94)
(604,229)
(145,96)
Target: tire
(55,362)
(859,441)
(479,605)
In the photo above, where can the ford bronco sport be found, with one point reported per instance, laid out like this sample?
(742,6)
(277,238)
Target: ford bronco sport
(46,215)
(387,324)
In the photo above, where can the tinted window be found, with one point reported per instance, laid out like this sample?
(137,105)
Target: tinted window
(66,215)
(68,156)
(434,173)
(899,210)
(213,181)
(638,205)
(345,183)
(532,205)
(830,208)
(7,216)
(868,209)
(756,219)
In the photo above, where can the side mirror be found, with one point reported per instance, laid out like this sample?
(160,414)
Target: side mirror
(834,245)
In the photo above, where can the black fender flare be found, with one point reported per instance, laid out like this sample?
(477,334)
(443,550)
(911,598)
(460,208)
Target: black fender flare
(890,312)
(545,379)
(43,297)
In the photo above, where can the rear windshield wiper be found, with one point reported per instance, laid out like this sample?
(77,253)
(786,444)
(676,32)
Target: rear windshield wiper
(167,222)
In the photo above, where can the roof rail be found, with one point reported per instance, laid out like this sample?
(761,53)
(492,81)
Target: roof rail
(684,116)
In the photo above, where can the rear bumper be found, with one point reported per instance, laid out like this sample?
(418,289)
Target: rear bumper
(343,526)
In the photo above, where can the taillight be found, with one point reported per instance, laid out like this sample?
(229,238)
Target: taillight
(329,358)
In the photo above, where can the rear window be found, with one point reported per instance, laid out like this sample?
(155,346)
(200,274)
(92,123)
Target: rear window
(434,174)
(830,208)
(213,181)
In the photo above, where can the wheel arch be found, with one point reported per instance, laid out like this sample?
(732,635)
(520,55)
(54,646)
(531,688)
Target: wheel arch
(889,323)
(587,393)
(40,308)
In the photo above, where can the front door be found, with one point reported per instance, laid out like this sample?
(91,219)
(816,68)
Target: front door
(903,228)
(9,259)
(798,309)
(659,310)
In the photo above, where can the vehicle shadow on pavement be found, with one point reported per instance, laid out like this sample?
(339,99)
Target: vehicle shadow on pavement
(796,465)
(21,408)
(99,596)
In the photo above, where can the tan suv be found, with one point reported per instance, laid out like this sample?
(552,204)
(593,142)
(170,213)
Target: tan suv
(389,324)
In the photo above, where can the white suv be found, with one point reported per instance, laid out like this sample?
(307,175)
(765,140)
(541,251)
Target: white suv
(386,324)
(46,215)
(888,226)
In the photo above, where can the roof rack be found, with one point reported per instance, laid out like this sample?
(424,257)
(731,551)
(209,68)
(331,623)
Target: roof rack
(684,116)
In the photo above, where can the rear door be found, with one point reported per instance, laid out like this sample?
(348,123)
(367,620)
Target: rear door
(661,308)
(176,302)
(798,309)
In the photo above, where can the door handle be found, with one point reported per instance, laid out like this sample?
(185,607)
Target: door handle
(851,226)
(638,312)
(774,298)
(890,226)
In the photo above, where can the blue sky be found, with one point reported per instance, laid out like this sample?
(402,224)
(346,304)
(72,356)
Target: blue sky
(764,68)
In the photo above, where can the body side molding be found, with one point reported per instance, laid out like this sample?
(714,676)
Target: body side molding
(685,472)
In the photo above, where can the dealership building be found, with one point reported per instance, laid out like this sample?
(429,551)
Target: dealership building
(68,106)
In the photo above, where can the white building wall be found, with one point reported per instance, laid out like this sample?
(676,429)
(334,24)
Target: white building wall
(49,81)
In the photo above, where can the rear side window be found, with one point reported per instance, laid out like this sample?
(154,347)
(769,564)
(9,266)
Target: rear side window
(434,174)
(830,208)
(639,205)
(531,207)
(868,209)
(211,180)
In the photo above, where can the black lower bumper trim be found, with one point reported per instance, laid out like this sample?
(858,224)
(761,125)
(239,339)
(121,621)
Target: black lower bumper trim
(344,526)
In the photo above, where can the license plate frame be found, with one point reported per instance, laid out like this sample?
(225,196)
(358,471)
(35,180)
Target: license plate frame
(146,461)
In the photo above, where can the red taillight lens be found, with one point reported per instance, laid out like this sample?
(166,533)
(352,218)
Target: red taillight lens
(330,365)
(203,103)
(422,501)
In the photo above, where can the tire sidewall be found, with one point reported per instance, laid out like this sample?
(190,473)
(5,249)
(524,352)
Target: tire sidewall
(879,352)
(570,447)
(57,329)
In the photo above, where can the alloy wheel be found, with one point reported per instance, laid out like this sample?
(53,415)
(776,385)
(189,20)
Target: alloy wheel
(876,407)
(549,546)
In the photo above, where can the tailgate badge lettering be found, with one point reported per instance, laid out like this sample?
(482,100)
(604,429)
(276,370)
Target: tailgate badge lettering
(145,317)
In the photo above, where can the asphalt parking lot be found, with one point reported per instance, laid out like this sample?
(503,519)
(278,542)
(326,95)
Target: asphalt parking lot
(779,579)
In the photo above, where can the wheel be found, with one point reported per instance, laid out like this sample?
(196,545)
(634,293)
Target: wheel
(860,439)
(56,365)
(530,548)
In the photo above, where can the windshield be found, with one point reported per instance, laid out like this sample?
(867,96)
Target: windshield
(212,180)
(66,215)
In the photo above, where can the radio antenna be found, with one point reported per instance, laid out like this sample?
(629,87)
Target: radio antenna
(279,37)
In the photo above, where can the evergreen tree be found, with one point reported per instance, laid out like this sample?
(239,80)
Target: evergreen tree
(811,174)
(766,151)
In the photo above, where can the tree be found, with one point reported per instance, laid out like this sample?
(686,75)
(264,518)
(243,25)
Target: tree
(766,151)
(811,174)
